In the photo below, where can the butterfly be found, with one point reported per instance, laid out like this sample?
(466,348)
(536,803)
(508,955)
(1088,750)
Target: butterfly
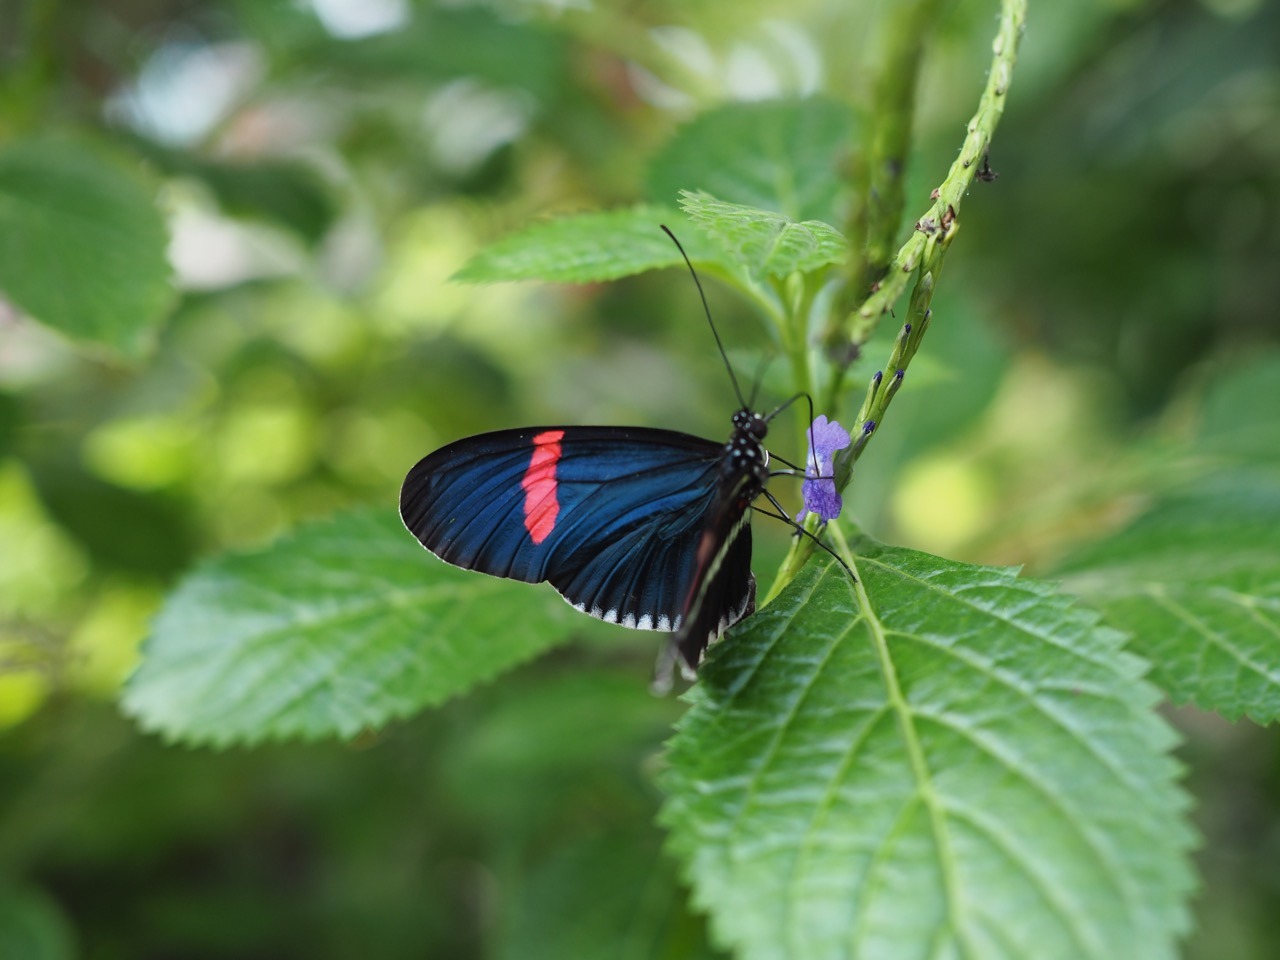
(643,527)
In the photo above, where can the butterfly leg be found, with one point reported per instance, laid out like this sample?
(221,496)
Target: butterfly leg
(782,515)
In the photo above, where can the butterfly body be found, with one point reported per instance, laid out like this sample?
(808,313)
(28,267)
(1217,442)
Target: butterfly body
(642,527)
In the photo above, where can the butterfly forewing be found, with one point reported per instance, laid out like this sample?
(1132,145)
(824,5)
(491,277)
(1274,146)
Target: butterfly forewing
(611,517)
(646,528)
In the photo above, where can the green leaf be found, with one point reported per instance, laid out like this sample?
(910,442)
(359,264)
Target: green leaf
(10,422)
(285,192)
(609,894)
(131,531)
(586,248)
(440,45)
(82,245)
(767,244)
(556,729)
(1196,580)
(1197,583)
(345,625)
(777,155)
(1238,440)
(32,926)
(942,760)
(1239,408)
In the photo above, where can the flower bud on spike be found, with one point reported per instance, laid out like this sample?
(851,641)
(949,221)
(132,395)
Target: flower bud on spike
(873,390)
(864,435)
(894,384)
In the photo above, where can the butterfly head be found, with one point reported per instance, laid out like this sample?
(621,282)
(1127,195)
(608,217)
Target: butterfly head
(754,425)
(745,453)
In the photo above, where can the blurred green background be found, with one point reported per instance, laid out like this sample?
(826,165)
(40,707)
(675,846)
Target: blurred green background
(324,167)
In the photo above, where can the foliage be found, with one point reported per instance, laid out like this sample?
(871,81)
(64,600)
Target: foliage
(81,245)
(936,756)
(584,249)
(1196,578)
(344,627)
(779,156)
(766,244)
(954,752)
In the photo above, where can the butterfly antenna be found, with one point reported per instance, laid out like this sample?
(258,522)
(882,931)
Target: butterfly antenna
(706,309)
(755,387)
(801,531)
(788,402)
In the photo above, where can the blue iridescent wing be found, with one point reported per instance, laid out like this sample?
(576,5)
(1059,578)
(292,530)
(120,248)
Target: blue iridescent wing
(612,517)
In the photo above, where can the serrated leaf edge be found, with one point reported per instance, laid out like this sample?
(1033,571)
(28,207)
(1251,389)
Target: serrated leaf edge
(1159,736)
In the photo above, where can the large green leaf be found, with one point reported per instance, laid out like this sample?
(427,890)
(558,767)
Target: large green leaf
(942,760)
(778,155)
(344,625)
(82,245)
(586,248)
(766,244)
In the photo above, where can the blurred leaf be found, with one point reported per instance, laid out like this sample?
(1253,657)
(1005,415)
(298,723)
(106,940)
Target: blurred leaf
(345,625)
(10,418)
(1238,420)
(318,850)
(285,29)
(1197,583)
(586,248)
(767,244)
(122,529)
(778,155)
(611,895)
(441,44)
(292,195)
(82,245)
(554,738)
(945,760)
(1196,580)
(560,726)
(951,383)
(32,927)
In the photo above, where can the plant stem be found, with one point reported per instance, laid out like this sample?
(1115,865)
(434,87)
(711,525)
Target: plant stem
(924,252)
(922,255)
(876,173)
(940,222)
(893,115)
(798,302)
(895,93)
(24,85)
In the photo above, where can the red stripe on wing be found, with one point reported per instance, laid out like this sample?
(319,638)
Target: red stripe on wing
(539,483)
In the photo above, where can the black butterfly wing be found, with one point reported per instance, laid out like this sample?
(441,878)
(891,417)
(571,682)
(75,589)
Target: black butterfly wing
(723,590)
(612,517)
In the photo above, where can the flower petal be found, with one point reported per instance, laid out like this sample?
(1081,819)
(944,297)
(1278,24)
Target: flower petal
(820,493)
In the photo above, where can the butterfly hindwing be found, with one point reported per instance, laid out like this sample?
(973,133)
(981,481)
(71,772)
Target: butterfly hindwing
(724,589)
(612,517)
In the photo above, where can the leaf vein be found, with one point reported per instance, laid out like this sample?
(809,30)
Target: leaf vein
(1212,637)
(1078,736)
(920,770)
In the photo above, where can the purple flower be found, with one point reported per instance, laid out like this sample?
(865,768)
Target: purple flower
(820,495)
